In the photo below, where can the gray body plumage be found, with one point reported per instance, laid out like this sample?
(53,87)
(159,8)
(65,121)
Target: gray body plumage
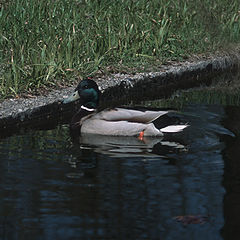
(122,122)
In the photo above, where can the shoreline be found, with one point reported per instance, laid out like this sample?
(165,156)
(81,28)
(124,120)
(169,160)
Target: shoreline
(117,89)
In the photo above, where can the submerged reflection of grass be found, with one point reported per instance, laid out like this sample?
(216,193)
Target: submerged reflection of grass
(223,91)
(199,96)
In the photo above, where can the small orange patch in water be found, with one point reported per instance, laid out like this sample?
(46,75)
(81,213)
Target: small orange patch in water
(191,219)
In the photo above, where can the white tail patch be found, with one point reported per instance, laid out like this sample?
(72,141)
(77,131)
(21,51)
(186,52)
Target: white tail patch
(173,128)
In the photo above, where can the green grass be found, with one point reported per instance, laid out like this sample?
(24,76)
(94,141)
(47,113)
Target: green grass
(44,43)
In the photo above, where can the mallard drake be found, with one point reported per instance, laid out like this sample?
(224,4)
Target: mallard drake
(115,121)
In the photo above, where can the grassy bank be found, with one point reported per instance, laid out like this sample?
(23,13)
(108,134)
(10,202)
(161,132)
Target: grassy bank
(43,43)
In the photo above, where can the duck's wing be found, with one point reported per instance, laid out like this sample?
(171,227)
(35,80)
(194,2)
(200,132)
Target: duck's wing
(122,114)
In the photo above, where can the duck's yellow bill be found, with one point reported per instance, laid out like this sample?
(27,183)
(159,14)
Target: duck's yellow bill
(73,97)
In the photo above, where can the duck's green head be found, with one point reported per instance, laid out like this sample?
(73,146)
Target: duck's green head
(87,92)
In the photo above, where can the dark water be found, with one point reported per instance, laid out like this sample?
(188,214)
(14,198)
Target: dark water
(124,188)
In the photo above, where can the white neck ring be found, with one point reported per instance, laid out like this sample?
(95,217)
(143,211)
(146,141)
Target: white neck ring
(88,109)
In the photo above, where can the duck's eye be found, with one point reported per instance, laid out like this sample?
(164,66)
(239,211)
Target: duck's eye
(85,87)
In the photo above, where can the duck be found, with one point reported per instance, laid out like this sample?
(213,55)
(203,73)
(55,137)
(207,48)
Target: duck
(118,121)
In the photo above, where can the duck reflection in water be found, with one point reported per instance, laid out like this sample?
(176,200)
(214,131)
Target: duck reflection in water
(130,146)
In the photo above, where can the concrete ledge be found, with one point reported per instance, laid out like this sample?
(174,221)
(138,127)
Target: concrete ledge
(117,89)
